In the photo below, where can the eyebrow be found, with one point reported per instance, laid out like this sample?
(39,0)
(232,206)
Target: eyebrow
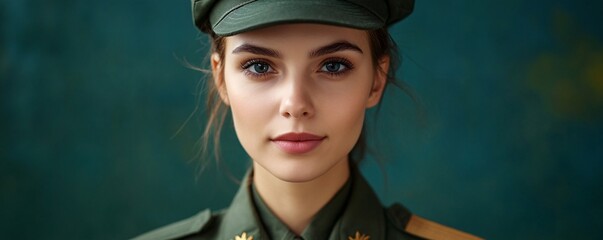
(331,48)
(256,50)
(335,47)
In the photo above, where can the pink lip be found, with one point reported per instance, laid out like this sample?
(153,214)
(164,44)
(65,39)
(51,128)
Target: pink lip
(297,143)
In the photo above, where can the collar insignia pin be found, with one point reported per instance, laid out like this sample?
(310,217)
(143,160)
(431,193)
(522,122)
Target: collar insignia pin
(359,236)
(243,237)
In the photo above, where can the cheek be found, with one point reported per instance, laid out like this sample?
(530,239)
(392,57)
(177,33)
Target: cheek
(250,106)
(345,108)
(348,109)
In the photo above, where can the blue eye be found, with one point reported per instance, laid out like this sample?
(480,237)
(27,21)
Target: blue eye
(336,66)
(333,67)
(259,67)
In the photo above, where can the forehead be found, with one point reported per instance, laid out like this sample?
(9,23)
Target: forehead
(299,36)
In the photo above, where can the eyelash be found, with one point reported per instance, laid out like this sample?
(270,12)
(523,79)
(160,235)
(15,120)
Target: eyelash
(250,63)
(346,63)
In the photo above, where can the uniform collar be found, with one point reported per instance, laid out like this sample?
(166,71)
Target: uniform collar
(362,213)
(241,216)
(321,225)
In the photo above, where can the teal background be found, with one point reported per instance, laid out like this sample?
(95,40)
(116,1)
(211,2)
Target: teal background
(92,94)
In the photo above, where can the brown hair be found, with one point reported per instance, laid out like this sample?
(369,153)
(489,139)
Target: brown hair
(381,44)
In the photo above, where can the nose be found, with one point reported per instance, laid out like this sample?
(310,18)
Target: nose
(297,100)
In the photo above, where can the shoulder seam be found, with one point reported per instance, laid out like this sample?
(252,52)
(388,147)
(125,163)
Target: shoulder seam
(200,220)
(398,216)
(181,228)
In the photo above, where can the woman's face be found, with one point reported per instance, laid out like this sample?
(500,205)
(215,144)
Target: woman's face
(298,95)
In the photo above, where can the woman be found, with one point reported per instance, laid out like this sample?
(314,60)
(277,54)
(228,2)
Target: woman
(297,77)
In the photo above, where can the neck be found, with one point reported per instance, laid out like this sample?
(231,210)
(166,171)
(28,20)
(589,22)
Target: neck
(296,203)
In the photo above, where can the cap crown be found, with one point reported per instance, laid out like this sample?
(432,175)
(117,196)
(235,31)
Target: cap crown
(228,17)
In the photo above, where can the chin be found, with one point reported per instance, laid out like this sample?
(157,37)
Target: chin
(296,173)
(298,170)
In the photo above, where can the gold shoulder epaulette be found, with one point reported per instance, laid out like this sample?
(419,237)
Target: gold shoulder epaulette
(434,231)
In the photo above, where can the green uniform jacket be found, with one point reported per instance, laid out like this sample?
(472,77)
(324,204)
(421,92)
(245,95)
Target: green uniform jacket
(361,217)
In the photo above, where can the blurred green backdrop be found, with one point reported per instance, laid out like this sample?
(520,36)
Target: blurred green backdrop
(92,94)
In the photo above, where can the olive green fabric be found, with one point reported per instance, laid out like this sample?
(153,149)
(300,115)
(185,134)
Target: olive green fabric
(229,17)
(361,212)
(321,225)
(180,228)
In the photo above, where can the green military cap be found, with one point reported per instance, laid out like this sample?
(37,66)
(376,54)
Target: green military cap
(229,17)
